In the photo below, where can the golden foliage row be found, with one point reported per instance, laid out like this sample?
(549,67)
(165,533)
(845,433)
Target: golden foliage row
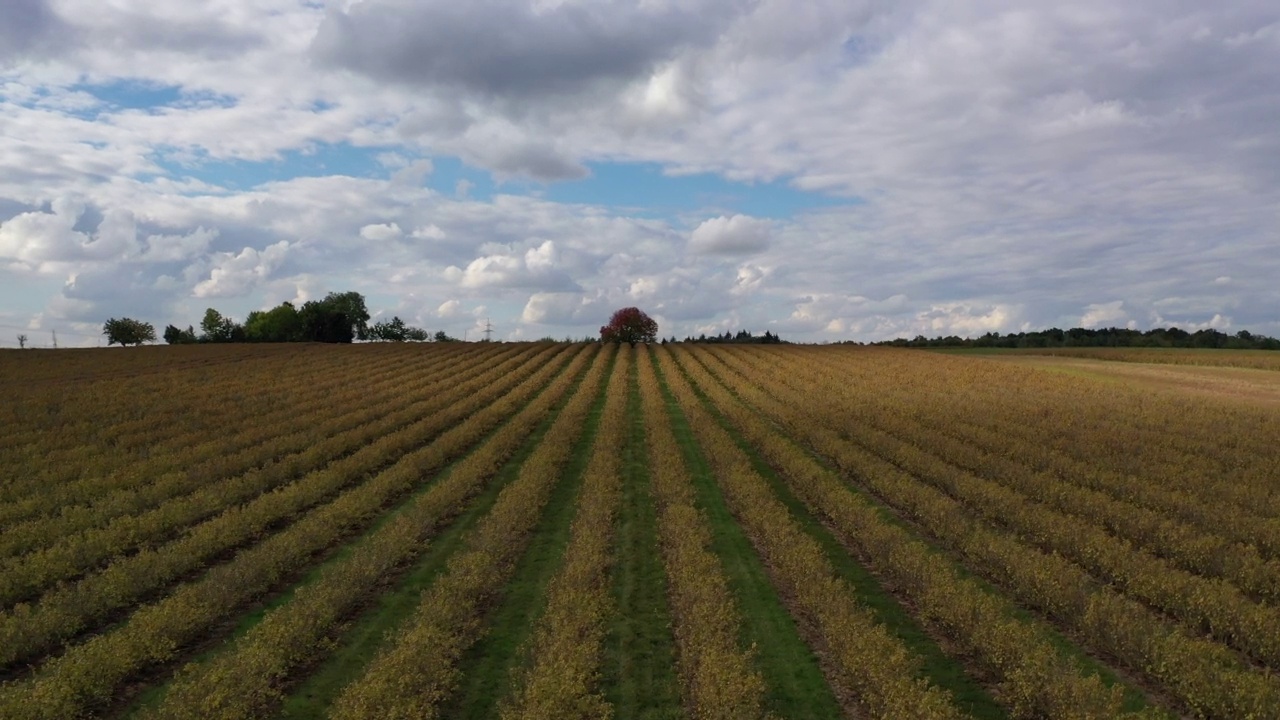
(246,679)
(718,677)
(1207,464)
(874,666)
(189,446)
(1220,452)
(1035,678)
(28,629)
(418,668)
(72,555)
(561,683)
(93,671)
(1217,607)
(1203,675)
(80,431)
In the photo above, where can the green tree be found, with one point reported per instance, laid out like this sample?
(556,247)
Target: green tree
(352,305)
(630,325)
(128,331)
(176,336)
(217,328)
(282,323)
(338,318)
(395,330)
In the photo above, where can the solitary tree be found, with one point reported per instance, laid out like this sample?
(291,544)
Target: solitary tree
(630,325)
(127,331)
(22,342)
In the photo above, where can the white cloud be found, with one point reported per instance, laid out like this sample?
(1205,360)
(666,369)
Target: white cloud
(429,232)
(737,235)
(236,274)
(383,232)
(1110,314)
(537,267)
(1002,166)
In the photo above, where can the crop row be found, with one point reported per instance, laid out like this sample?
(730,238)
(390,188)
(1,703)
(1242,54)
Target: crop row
(30,629)
(1207,538)
(1034,678)
(247,678)
(1168,441)
(1194,549)
(1204,676)
(1213,606)
(874,666)
(418,668)
(566,645)
(183,438)
(131,418)
(91,673)
(74,553)
(718,676)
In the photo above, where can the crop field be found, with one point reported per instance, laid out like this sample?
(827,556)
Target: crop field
(529,530)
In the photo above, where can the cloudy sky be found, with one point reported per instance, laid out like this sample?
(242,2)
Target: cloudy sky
(826,170)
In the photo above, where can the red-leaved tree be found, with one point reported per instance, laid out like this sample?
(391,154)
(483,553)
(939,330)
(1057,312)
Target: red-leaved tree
(629,325)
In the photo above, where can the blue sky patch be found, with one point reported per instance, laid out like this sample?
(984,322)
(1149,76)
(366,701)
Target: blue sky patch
(644,188)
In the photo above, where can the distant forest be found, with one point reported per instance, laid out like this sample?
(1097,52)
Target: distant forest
(1105,337)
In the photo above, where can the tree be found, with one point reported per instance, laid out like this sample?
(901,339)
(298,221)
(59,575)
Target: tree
(127,331)
(442,336)
(176,336)
(630,325)
(338,318)
(22,342)
(219,329)
(282,323)
(393,330)
(351,304)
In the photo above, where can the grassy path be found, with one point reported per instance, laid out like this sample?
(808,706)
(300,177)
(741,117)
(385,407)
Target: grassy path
(486,668)
(939,668)
(639,665)
(796,685)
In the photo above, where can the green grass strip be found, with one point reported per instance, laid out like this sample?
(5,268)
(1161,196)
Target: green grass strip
(938,667)
(486,668)
(639,665)
(1134,698)
(796,686)
(361,642)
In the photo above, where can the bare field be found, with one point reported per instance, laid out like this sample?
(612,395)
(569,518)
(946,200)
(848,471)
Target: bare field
(1220,379)
(584,531)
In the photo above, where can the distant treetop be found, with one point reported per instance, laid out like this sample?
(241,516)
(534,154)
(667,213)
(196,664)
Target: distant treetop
(1105,337)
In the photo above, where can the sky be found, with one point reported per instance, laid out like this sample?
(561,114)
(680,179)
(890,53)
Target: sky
(825,170)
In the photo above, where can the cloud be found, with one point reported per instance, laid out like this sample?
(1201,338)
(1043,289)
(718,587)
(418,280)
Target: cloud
(1104,314)
(383,232)
(50,241)
(236,274)
(939,167)
(534,49)
(560,308)
(30,28)
(737,235)
(535,268)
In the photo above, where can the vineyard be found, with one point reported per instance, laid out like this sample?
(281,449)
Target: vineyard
(491,530)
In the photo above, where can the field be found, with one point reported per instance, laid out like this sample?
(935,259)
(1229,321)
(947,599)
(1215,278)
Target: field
(573,530)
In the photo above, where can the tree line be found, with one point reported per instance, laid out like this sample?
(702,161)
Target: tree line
(742,337)
(1171,337)
(338,318)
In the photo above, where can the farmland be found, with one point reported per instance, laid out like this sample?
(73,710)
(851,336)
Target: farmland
(575,530)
